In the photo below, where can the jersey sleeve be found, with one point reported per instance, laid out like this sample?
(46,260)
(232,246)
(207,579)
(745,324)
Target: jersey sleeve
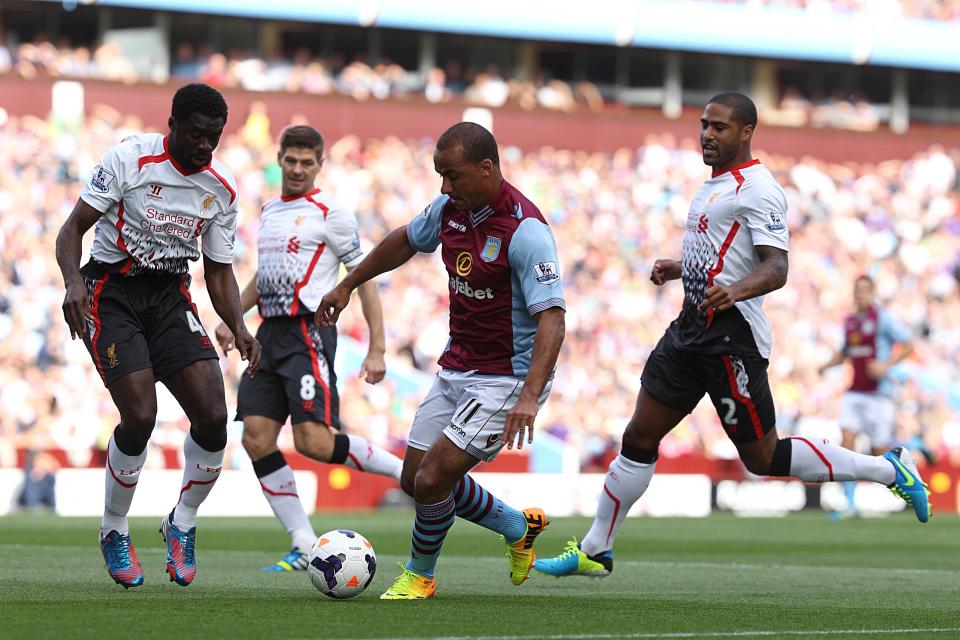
(344,236)
(763,208)
(219,234)
(533,258)
(424,230)
(108,180)
(892,328)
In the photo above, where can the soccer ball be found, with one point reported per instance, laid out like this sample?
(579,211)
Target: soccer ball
(342,563)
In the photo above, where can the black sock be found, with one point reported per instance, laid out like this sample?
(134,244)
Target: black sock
(643,456)
(127,446)
(269,463)
(780,464)
(341,447)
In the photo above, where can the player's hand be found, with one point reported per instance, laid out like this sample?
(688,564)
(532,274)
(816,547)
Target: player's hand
(373,368)
(328,311)
(876,369)
(664,270)
(249,348)
(719,298)
(224,337)
(75,309)
(519,420)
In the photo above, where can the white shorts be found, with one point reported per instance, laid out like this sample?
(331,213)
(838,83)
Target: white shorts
(470,409)
(869,413)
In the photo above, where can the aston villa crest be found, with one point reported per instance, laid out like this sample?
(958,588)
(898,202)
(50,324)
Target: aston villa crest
(491,249)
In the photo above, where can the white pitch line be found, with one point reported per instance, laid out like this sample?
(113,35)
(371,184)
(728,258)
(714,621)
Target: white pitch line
(825,633)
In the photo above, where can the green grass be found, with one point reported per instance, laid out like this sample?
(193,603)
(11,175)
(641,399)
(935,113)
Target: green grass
(719,577)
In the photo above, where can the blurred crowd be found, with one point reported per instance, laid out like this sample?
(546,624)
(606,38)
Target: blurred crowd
(613,214)
(303,72)
(918,9)
(837,111)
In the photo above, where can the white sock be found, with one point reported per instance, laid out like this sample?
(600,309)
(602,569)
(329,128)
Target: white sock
(372,459)
(626,481)
(122,475)
(201,468)
(818,460)
(280,490)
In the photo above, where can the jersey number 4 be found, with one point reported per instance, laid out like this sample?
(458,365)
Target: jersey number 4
(194,324)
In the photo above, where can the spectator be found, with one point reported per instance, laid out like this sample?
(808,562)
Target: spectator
(611,214)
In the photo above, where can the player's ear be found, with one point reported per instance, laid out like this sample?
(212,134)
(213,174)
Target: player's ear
(172,124)
(486,167)
(746,134)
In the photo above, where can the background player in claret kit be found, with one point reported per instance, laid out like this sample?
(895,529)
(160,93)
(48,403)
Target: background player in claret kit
(304,238)
(506,328)
(734,251)
(870,334)
(152,197)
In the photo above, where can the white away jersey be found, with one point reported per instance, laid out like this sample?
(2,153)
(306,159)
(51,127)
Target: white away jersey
(303,239)
(154,210)
(733,212)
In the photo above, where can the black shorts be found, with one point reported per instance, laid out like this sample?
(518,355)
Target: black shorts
(737,384)
(142,322)
(296,376)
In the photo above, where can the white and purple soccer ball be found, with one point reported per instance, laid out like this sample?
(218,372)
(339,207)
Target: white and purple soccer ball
(342,563)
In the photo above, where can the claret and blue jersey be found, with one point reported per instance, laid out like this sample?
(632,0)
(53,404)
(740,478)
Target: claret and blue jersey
(503,269)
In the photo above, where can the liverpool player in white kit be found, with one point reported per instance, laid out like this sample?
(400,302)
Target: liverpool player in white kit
(152,197)
(304,238)
(734,252)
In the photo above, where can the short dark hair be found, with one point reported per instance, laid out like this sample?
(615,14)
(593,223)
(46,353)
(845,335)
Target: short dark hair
(865,278)
(198,98)
(477,143)
(741,106)
(301,136)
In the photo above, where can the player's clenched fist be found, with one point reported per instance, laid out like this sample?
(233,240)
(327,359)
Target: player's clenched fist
(664,270)
(328,311)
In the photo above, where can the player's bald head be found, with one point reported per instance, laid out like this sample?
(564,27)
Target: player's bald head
(742,109)
(477,143)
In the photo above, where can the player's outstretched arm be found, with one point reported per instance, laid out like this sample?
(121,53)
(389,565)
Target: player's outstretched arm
(225,296)
(69,248)
(546,348)
(664,270)
(392,252)
(770,275)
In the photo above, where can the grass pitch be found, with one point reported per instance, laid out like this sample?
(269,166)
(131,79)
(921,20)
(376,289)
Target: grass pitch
(720,577)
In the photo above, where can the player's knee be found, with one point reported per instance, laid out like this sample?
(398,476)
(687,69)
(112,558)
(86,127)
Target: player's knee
(211,418)
(256,445)
(426,482)
(138,422)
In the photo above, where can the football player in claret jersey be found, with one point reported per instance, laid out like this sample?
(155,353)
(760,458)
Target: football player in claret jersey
(153,199)
(870,334)
(305,235)
(506,328)
(734,252)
